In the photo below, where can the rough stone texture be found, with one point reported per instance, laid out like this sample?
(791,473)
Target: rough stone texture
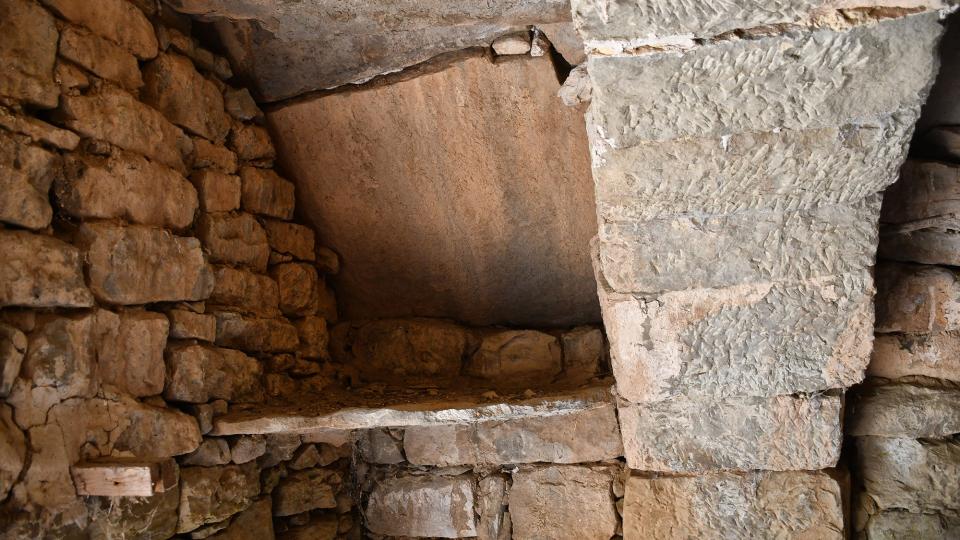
(248,292)
(217,191)
(741,340)
(731,505)
(307,490)
(209,155)
(40,271)
(935,244)
(516,357)
(584,351)
(382,446)
(503,225)
(157,266)
(130,353)
(117,20)
(265,192)
(126,186)
(13,346)
(912,475)
(101,57)
(13,450)
(916,299)
(146,518)
(248,448)
(254,523)
(322,528)
(905,411)
(894,524)
(114,116)
(186,98)
(26,172)
(241,105)
(291,239)
(235,239)
(38,130)
(299,287)
(314,337)
(697,435)
(251,143)
(494,522)
(563,502)
(512,44)
(896,356)
(62,355)
(186,324)
(579,437)
(390,350)
(566,40)
(926,189)
(257,335)
(212,451)
(199,373)
(28,57)
(212,494)
(422,506)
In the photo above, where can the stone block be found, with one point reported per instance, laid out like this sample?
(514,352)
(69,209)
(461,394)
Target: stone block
(512,44)
(265,192)
(735,505)
(251,143)
(926,189)
(422,506)
(319,528)
(213,451)
(100,56)
(392,349)
(146,518)
(578,437)
(494,521)
(235,239)
(117,20)
(563,503)
(175,88)
(126,186)
(382,446)
(254,523)
(904,411)
(218,192)
(566,40)
(155,265)
(896,356)
(698,435)
(62,355)
(13,346)
(130,350)
(916,299)
(299,288)
(116,117)
(291,239)
(912,475)
(584,352)
(303,491)
(207,155)
(28,52)
(39,131)
(314,337)
(516,357)
(804,80)
(200,373)
(741,340)
(900,524)
(247,448)
(13,450)
(240,104)
(933,242)
(256,335)
(186,324)
(251,293)
(26,172)
(212,494)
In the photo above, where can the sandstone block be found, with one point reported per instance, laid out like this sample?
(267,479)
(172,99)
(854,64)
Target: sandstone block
(207,155)
(114,116)
(130,351)
(251,143)
(235,239)
(186,324)
(741,340)
(26,172)
(212,494)
(388,350)
(40,271)
(13,450)
(38,130)
(763,504)
(256,335)
(516,357)
(126,186)
(247,448)
(47,479)
(896,356)
(212,451)
(100,56)
(422,506)
(265,192)
(314,337)
(299,288)
(563,502)
(793,82)
(147,518)
(13,346)
(248,292)
(302,491)
(904,411)
(579,437)
(199,373)
(254,523)
(697,435)
(916,299)
(62,354)
(218,192)
(240,104)
(28,52)
(290,239)
(116,20)
(917,476)
(174,87)
(156,266)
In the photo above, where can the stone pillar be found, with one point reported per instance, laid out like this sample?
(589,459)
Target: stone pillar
(738,152)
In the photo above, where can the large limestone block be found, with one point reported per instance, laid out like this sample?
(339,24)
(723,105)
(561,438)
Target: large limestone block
(212,494)
(563,503)
(691,252)
(40,271)
(234,239)
(200,373)
(303,491)
(117,20)
(140,265)
(904,411)
(247,292)
(117,117)
(391,349)
(916,299)
(28,51)
(101,56)
(256,335)
(896,356)
(265,192)
(130,350)
(579,437)
(26,172)
(732,505)
(918,476)
(422,506)
(697,435)
(741,340)
(13,450)
(516,357)
(127,186)
(175,88)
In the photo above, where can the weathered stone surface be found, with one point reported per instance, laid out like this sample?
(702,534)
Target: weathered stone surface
(100,56)
(386,350)
(793,82)
(126,186)
(314,337)
(291,239)
(254,523)
(916,299)
(130,351)
(199,373)
(28,56)
(563,502)
(896,356)
(299,288)
(732,505)
(893,524)
(247,448)
(741,340)
(494,522)
(265,192)
(115,116)
(566,40)
(26,172)
(209,155)
(186,324)
(251,143)
(13,450)
(473,254)
(932,242)
(422,506)
(186,98)
(117,20)
(13,347)
(38,130)
(218,192)
(917,476)
(512,44)
(578,437)
(156,266)
(236,239)
(307,490)
(516,357)
(212,451)
(904,411)
(72,79)
(250,293)
(381,446)
(584,351)
(697,435)
(257,335)
(212,494)
(240,104)
(147,518)
(62,354)
(926,189)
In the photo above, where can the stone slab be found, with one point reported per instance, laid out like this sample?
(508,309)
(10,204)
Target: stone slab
(926,189)
(917,476)
(936,242)
(902,355)
(904,411)
(916,299)
(563,502)
(431,506)
(40,271)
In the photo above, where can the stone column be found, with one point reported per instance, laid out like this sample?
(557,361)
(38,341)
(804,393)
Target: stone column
(738,152)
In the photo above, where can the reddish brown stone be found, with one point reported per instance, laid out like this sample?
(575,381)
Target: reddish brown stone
(235,239)
(256,335)
(290,239)
(299,287)
(100,56)
(248,292)
(251,143)
(199,373)
(174,87)
(116,20)
(40,271)
(265,192)
(130,350)
(27,52)
(26,172)
(218,192)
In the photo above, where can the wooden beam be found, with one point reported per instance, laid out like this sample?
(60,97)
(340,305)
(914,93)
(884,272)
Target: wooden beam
(124,477)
